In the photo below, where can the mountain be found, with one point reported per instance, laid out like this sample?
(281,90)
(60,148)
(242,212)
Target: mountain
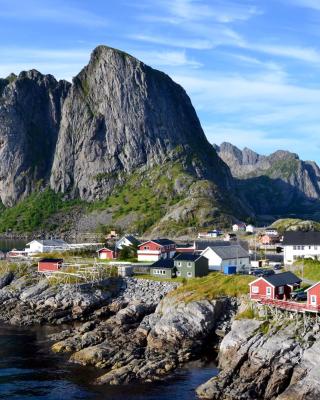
(121,145)
(279,184)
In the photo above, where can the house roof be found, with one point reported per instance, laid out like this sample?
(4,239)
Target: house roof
(301,238)
(53,260)
(231,251)
(161,242)
(311,287)
(284,278)
(105,248)
(163,263)
(203,244)
(50,242)
(130,238)
(185,246)
(187,257)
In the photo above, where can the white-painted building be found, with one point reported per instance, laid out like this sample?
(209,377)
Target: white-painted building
(271,231)
(223,256)
(46,246)
(127,240)
(239,227)
(250,228)
(297,245)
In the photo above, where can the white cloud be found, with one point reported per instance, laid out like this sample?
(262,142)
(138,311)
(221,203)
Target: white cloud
(166,58)
(313,4)
(199,44)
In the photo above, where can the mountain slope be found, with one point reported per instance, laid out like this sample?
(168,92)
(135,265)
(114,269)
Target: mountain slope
(279,184)
(121,129)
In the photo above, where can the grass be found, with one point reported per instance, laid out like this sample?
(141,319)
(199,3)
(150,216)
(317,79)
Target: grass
(248,313)
(214,286)
(308,269)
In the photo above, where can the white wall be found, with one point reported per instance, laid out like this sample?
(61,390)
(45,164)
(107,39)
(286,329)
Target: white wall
(217,264)
(292,253)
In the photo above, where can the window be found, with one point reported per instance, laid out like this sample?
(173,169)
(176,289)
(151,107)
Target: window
(294,247)
(302,247)
(189,274)
(316,247)
(178,273)
(309,247)
(268,291)
(255,289)
(163,272)
(189,264)
(313,300)
(281,289)
(179,264)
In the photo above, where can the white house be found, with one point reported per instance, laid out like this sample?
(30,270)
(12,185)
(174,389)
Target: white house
(239,227)
(250,228)
(127,240)
(46,246)
(223,256)
(271,232)
(300,245)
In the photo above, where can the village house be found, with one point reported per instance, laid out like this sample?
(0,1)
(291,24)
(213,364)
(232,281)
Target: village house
(301,245)
(127,241)
(47,246)
(250,228)
(163,268)
(210,234)
(106,253)
(50,264)
(277,286)
(153,250)
(223,256)
(230,237)
(271,231)
(241,227)
(313,297)
(191,265)
(268,240)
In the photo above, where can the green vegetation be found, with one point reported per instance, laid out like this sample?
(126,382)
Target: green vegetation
(34,212)
(248,313)
(284,168)
(213,286)
(286,224)
(308,269)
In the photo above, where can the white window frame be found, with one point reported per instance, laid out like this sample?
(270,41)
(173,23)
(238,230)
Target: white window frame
(255,289)
(189,274)
(313,300)
(281,289)
(268,291)
(178,273)
(189,264)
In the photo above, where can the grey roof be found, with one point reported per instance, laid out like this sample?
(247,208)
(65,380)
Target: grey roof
(163,263)
(284,278)
(301,238)
(203,244)
(187,257)
(131,239)
(229,252)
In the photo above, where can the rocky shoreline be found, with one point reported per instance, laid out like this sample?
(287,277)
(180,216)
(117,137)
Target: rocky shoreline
(131,329)
(273,356)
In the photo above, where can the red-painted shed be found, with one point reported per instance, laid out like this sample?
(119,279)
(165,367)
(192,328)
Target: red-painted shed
(313,293)
(106,254)
(50,264)
(277,286)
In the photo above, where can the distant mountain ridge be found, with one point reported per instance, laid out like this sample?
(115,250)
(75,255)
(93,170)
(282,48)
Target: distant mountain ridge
(276,184)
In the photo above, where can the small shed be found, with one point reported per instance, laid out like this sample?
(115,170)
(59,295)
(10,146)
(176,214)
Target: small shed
(163,268)
(106,254)
(313,296)
(50,264)
(277,286)
(230,269)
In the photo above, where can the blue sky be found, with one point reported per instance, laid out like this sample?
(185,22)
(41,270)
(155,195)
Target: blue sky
(251,67)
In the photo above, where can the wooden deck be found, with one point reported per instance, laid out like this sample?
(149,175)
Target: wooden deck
(290,305)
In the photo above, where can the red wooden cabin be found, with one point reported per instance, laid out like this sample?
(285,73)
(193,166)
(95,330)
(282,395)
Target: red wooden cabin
(153,250)
(313,299)
(50,264)
(106,254)
(277,286)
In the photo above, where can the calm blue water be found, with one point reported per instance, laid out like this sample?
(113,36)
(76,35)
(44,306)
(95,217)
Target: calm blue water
(28,370)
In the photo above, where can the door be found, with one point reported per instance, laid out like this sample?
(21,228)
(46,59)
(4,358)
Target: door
(313,300)
(268,291)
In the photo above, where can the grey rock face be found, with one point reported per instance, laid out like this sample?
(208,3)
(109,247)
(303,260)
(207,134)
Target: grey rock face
(30,113)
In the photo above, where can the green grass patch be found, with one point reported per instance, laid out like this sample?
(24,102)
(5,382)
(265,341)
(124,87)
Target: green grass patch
(308,269)
(214,286)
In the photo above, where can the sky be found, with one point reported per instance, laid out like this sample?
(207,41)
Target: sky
(250,67)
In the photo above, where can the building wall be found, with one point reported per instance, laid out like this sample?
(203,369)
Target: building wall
(48,266)
(315,291)
(217,264)
(293,253)
(106,255)
(262,290)
(144,256)
(192,269)
(165,272)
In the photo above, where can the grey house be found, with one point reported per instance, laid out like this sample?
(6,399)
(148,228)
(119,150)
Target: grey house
(191,265)
(163,268)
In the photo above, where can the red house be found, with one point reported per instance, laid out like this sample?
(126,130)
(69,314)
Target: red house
(277,286)
(106,254)
(154,250)
(313,299)
(50,264)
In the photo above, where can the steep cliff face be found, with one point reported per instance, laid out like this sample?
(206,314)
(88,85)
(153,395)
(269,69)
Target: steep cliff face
(121,115)
(278,184)
(30,113)
(121,129)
